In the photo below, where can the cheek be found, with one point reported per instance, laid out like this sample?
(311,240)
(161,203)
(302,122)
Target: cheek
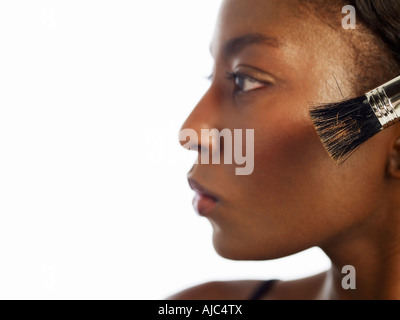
(289,159)
(296,188)
(296,197)
(286,143)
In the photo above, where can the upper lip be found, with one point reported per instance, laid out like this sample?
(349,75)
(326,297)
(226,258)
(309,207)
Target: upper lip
(197,187)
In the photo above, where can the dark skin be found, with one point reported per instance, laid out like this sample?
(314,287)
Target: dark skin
(297,197)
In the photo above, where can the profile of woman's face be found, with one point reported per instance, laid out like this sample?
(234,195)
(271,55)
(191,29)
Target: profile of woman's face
(284,60)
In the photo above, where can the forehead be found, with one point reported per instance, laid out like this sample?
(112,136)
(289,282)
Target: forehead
(286,37)
(286,20)
(239,16)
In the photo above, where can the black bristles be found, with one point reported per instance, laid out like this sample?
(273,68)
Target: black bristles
(344,126)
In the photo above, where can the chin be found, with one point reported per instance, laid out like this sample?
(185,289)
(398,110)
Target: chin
(235,249)
(245,248)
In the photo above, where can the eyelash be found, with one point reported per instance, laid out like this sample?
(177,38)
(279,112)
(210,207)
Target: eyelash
(233,76)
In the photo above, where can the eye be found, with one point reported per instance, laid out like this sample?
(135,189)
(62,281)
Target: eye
(245,83)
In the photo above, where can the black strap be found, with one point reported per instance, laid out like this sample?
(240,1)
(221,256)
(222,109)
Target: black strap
(262,289)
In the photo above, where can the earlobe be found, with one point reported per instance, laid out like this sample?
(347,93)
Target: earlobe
(394,160)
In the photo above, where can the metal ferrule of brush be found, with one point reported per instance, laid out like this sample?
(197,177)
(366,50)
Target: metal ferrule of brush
(385,101)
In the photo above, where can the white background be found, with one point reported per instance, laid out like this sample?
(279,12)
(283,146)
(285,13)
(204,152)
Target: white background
(94,202)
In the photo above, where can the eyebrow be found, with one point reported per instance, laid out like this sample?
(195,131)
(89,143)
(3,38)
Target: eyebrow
(235,45)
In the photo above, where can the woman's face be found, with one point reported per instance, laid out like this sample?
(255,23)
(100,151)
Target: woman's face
(296,196)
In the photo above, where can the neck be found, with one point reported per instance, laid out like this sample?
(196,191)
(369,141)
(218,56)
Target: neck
(374,251)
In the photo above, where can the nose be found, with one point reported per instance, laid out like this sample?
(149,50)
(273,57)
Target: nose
(205,116)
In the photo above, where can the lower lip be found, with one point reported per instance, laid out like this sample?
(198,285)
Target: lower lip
(203,204)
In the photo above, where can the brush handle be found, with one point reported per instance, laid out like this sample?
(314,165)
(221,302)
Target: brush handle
(385,101)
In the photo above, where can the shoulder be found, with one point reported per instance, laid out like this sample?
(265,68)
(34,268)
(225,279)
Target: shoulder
(306,288)
(218,290)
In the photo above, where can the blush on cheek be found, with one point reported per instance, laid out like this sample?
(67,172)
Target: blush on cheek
(289,146)
(290,165)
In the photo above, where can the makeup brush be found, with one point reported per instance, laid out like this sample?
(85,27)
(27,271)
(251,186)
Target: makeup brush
(344,126)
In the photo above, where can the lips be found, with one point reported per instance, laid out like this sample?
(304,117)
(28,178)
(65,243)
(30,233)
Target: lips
(204,200)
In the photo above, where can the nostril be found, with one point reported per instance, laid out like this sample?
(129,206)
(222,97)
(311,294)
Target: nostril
(188,139)
(201,148)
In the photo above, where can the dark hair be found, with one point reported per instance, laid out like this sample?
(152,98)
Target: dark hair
(383,18)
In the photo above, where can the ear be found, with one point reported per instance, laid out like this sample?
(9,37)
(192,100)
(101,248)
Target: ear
(394,160)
